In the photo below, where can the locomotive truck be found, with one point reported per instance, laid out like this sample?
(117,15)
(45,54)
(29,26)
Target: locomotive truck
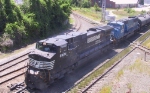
(54,57)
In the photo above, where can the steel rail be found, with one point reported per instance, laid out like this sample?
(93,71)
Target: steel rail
(13,71)
(14,64)
(108,70)
(12,78)
(138,46)
(89,86)
(14,59)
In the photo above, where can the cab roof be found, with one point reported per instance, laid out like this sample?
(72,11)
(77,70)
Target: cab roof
(116,22)
(76,33)
(57,42)
(63,37)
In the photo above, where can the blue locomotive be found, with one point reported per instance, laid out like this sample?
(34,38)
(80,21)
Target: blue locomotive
(56,56)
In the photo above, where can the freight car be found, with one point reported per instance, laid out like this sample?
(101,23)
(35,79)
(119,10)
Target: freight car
(54,57)
(144,20)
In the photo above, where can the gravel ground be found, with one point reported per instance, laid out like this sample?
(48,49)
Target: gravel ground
(132,75)
(84,27)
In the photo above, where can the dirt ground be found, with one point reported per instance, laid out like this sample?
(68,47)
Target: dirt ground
(132,75)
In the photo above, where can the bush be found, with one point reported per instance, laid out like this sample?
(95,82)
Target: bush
(86,4)
(143,12)
(129,10)
(97,8)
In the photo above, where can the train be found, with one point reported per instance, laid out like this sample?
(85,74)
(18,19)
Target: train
(56,56)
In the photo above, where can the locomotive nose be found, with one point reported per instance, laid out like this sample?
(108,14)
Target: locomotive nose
(36,79)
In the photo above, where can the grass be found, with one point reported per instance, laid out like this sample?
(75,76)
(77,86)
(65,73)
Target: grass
(146,43)
(4,55)
(143,37)
(140,66)
(129,85)
(105,89)
(71,21)
(18,50)
(121,13)
(119,74)
(89,12)
(101,70)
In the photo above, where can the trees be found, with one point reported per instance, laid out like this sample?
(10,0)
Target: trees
(49,14)
(32,19)
(81,3)
(96,7)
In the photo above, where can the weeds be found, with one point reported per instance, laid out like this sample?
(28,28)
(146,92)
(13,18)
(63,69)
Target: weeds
(126,12)
(89,12)
(147,43)
(102,69)
(129,10)
(129,85)
(140,66)
(143,37)
(119,74)
(106,89)
(71,20)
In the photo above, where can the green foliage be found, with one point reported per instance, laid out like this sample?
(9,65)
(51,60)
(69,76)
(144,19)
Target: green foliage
(33,19)
(86,3)
(143,12)
(49,14)
(25,6)
(81,3)
(96,7)
(76,2)
(106,89)
(98,72)
(129,10)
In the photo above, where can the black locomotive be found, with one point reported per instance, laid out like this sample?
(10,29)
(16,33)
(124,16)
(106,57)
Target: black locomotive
(54,57)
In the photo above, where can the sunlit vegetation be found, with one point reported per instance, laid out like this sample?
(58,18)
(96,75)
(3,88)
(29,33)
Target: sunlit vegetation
(105,89)
(121,13)
(147,43)
(140,66)
(143,37)
(100,70)
(34,19)
(89,12)
(119,74)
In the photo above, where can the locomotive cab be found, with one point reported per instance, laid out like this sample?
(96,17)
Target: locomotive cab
(46,47)
(118,30)
(43,61)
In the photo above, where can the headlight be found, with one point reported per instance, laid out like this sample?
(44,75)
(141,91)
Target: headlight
(33,72)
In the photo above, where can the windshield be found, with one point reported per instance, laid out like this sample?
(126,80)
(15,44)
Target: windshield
(46,47)
(116,26)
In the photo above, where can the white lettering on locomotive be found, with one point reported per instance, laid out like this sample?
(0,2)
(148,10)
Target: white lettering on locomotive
(41,64)
(63,54)
(91,39)
(97,41)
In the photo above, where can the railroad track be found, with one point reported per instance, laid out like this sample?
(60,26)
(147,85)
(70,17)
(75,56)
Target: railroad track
(15,67)
(88,88)
(78,24)
(7,69)
(94,23)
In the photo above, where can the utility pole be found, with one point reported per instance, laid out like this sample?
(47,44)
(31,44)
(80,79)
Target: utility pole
(103,10)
